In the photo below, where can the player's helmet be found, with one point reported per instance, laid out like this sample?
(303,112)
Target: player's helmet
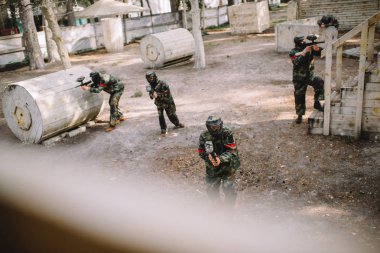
(151,77)
(298,40)
(95,76)
(214,125)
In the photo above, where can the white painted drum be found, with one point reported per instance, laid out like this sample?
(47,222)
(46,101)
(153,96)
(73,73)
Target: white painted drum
(45,106)
(166,48)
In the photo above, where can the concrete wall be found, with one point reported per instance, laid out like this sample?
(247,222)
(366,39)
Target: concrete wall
(286,31)
(349,13)
(11,49)
(215,16)
(136,28)
(249,17)
(90,36)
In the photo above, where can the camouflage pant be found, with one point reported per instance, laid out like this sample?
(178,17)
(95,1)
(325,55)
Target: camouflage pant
(115,113)
(227,182)
(300,93)
(170,110)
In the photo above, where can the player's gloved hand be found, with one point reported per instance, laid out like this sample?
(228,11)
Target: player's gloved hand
(215,162)
(307,49)
(85,87)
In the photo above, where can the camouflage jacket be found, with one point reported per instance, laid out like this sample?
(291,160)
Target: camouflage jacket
(225,147)
(328,20)
(303,66)
(108,83)
(164,96)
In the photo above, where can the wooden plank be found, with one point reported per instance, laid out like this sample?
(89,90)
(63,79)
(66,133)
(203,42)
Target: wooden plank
(343,110)
(349,35)
(373,20)
(372,112)
(371,42)
(342,132)
(371,124)
(361,76)
(327,88)
(339,64)
(12,50)
(343,122)
(372,86)
(342,126)
(348,93)
(350,110)
(368,95)
(367,103)
(318,130)
(372,95)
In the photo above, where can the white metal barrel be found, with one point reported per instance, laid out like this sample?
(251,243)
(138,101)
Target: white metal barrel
(166,48)
(45,106)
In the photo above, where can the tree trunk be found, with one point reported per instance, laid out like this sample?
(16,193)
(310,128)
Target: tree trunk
(12,9)
(51,47)
(70,13)
(33,49)
(200,61)
(56,31)
(174,4)
(3,15)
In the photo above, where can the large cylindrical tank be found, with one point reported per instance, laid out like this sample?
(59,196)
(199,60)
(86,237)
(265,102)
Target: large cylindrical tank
(45,106)
(166,48)
(113,34)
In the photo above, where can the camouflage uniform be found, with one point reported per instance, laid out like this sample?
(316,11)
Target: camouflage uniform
(303,75)
(225,148)
(164,101)
(115,88)
(328,20)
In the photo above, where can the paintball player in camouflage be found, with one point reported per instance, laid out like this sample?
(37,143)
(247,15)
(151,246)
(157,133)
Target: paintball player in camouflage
(159,91)
(217,147)
(302,57)
(328,20)
(113,86)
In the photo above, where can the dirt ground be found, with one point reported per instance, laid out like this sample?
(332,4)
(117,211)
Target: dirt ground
(320,178)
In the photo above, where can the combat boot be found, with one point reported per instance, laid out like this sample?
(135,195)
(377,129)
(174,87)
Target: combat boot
(110,128)
(299,119)
(164,132)
(122,118)
(318,106)
(180,125)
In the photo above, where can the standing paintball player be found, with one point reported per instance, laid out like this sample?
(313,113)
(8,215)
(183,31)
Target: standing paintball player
(115,88)
(217,147)
(159,91)
(302,57)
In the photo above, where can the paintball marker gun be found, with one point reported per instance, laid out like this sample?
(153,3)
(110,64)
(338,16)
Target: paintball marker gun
(313,38)
(151,91)
(80,79)
(209,148)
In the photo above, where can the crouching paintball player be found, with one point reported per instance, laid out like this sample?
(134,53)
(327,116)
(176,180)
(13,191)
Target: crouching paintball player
(113,86)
